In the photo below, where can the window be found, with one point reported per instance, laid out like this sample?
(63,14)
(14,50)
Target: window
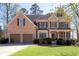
(38,24)
(53,24)
(18,21)
(21,22)
(66,25)
(42,25)
(63,25)
(42,35)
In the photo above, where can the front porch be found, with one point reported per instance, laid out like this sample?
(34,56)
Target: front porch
(64,34)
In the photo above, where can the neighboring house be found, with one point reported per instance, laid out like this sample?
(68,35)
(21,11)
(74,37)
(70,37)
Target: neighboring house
(25,28)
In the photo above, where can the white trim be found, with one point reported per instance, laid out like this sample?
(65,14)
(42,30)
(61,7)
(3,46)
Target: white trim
(54,16)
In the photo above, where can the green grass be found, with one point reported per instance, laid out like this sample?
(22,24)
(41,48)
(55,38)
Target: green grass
(48,51)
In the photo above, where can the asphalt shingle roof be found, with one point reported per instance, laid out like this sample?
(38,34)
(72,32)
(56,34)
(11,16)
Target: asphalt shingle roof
(38,17)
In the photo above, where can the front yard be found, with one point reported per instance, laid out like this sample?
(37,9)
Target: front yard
(48,51)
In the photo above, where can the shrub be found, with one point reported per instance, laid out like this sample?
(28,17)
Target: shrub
(43,41)
(36,41)
(56,39)
(47,41)
(70,42)
(40,41)
(4,40)
(60,41)
(73,42)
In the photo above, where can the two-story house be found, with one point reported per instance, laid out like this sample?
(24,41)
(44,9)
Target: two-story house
(25,28)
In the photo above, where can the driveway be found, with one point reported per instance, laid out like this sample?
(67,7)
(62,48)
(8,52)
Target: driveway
(7,49)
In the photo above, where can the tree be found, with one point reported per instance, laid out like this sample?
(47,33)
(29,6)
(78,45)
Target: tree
(8,10)
(74,8)
(35,9)
(61,12)
(24,10)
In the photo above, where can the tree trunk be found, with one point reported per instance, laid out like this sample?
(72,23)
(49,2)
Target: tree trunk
(7,18)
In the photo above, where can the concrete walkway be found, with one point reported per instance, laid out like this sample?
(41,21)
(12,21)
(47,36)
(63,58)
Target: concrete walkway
(7,49)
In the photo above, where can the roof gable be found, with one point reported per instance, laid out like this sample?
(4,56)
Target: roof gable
(17,16)
(53,17)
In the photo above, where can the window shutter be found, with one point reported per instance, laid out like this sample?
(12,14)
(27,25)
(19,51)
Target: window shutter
(18,21)
(23,22)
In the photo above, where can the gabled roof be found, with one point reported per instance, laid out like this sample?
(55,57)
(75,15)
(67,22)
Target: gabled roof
(21,14)
(36,17)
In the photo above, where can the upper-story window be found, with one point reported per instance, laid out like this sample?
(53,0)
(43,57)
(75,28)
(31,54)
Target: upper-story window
(53,24)
(42,25)
(63,25)
(18,21)
(21,22)
(24,22)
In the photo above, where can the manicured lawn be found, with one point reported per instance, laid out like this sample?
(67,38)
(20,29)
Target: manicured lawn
(48,51)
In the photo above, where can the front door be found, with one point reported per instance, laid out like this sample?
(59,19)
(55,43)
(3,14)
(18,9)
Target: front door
(53,35)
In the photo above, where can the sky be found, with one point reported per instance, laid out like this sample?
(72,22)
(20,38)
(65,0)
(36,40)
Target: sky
(46,7)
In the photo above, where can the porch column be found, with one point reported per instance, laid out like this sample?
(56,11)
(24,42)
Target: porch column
(72,35)
(21,38)
(65,35)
